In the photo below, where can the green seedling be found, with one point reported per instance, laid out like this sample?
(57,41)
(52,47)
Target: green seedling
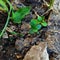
(42,21)
(16,16)
(36,24)
(20,14)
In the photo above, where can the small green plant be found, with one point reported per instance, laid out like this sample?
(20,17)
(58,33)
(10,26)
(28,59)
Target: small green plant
(17,16)
(36,24)
(20,14)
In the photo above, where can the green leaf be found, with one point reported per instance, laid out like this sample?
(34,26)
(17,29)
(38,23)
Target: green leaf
(14,33)
(20,14)
(43,18)
(38,27)
(32,31)
(44,24)
(35,26)
(39,18)
(3,5)
(34,22)
(16,17)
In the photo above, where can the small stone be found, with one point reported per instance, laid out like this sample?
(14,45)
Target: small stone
(34,16)
(19,44)
(37,52)
(25,26)
(27,41)
(5,35)
(13,28)
(18,56)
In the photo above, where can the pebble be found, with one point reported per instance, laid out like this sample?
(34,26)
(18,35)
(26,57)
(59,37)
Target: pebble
(5,35)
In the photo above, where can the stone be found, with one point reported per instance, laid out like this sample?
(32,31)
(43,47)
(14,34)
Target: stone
(56,5)
(53,32)
(37,52)
(5,35)
(19,44)
(25,26)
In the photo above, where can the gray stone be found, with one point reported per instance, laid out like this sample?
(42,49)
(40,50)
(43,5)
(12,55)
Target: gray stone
(53,32)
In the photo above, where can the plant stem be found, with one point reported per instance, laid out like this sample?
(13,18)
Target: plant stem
(8,18)
(51,3)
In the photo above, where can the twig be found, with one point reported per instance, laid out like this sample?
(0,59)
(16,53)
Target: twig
(46,3)
(54,31)
(47,11)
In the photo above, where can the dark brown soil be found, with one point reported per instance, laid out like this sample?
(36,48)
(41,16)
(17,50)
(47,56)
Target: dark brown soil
(15,46)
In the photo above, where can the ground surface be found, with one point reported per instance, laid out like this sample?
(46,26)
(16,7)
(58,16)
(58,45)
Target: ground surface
(14,47)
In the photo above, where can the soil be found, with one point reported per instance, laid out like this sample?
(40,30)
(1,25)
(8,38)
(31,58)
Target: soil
(14,47)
